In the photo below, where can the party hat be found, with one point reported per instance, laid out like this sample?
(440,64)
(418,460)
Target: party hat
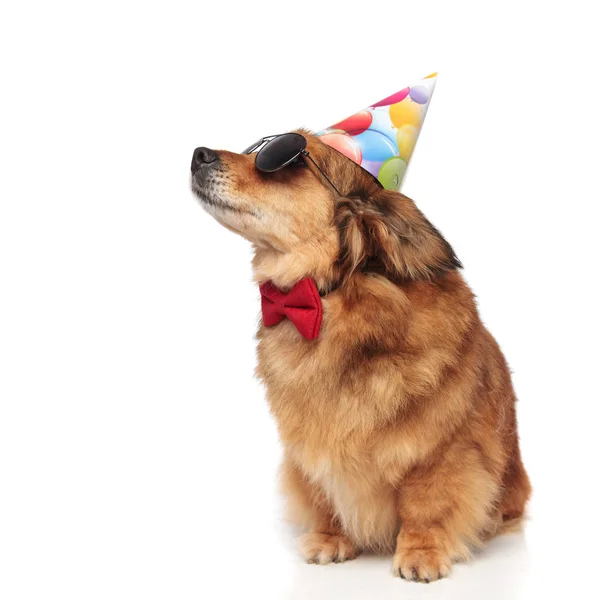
(382,137)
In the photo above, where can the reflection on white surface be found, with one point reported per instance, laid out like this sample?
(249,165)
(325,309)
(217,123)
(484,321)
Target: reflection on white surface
(499,572)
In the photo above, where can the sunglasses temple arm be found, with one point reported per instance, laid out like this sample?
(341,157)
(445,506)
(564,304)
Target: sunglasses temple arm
(307,155)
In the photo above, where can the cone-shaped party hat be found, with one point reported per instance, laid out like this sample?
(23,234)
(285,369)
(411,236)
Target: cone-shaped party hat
(381,138)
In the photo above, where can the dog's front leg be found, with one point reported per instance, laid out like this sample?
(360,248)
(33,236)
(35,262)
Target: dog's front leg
(325,542)
(444,509)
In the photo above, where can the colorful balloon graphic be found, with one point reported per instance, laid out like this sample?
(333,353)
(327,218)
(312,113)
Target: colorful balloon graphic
(406,112)
(391,173)
(345,144)
(407,138)
(382,138)
(382,123)
(356,124)
(375,146)
(397,97)
(419,94)
(372,166)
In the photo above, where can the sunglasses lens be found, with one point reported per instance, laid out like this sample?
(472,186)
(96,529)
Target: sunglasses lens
(280,151)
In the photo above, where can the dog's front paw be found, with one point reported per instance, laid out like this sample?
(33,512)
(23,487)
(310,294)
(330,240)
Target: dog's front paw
(421,565)
(323,548)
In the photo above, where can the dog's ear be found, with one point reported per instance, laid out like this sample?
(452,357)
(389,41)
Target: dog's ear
(388,234)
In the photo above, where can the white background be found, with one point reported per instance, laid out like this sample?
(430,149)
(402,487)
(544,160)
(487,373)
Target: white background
(137,455)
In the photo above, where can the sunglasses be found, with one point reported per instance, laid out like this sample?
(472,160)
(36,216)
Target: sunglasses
(278,151)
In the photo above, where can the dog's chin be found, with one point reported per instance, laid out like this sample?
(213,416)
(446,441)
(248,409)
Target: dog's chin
(214,198)
(229,211)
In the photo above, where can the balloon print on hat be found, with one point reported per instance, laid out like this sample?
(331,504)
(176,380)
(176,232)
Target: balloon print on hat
(407,138)
(382,123)
(356,124)
(419,94)
(382,138)
(392,172)
(397,97)
(373,166)
(345,144)
(375,146)
(406,112)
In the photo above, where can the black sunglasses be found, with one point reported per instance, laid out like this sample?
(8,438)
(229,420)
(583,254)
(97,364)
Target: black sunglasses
(278,151)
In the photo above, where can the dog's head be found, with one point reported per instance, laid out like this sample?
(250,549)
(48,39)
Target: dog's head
(294,215)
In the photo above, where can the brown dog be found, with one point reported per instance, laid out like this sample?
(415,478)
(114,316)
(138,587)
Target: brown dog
(398,422)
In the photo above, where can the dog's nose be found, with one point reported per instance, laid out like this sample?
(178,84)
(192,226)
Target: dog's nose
(203,156)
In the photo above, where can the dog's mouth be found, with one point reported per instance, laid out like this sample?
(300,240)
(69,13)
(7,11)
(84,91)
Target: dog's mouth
(211,190)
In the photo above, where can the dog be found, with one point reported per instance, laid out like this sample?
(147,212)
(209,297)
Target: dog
(398,420)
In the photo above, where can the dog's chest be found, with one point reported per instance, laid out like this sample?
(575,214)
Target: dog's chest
(364,504)
(320,420)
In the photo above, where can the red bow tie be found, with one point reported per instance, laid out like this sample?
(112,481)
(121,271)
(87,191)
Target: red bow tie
(301,305)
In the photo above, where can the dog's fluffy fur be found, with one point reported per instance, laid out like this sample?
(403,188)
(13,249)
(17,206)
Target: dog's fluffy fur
(398,423)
